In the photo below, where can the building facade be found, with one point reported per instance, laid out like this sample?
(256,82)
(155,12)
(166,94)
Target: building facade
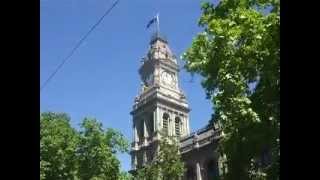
(162,106)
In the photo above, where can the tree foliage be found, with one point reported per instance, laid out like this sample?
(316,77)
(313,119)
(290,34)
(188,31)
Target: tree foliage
(125,176)
(238,54)
(87,154)
(96,151)
(166,165)
(58,144)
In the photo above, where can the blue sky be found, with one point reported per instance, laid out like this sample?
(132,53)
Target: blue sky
(101,79)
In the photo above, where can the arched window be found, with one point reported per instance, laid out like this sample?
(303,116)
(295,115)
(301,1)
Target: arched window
(190,174)
(139,160)
(140,130)
(165,121)
(177,122)
(151,124)
(150,155)
(212,169)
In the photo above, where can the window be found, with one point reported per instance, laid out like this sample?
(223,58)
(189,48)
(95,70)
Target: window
(191,175)
(139,160)
(177,126)
(212,169)
(149,155)
(165,122)
(140,130)
(151,124)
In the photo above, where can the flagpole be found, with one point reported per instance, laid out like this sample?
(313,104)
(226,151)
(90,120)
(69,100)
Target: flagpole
(158,26)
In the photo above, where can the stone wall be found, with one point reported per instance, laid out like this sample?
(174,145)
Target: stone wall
(200,154)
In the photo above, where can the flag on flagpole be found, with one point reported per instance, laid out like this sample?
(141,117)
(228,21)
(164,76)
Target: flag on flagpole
(153,20)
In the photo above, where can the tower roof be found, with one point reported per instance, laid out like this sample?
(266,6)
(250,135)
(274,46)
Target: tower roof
(157,36)
(159,49)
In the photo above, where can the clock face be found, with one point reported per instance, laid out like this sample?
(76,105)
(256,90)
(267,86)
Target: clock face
(168,78)
(160,55)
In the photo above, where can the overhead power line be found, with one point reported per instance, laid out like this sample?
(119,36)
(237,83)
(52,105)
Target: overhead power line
(77,46)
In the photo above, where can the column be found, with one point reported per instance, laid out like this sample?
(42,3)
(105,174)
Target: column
(135,135)
(155,125)
(134,161)
(159,114)
(187,125)
(198,171)
(145,157)
(173,132)
(183,126)
(145,131)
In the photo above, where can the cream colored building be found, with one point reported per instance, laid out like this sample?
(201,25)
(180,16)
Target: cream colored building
(162,106)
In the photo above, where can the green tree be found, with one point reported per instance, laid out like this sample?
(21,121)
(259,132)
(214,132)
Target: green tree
(125,176)
(238,54)
(97,150)
(166,165)
(58,143)
(88,154)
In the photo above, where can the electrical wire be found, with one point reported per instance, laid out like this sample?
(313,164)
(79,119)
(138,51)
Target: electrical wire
(78,45)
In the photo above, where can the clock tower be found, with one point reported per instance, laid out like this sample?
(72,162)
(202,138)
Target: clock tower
(160,106)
